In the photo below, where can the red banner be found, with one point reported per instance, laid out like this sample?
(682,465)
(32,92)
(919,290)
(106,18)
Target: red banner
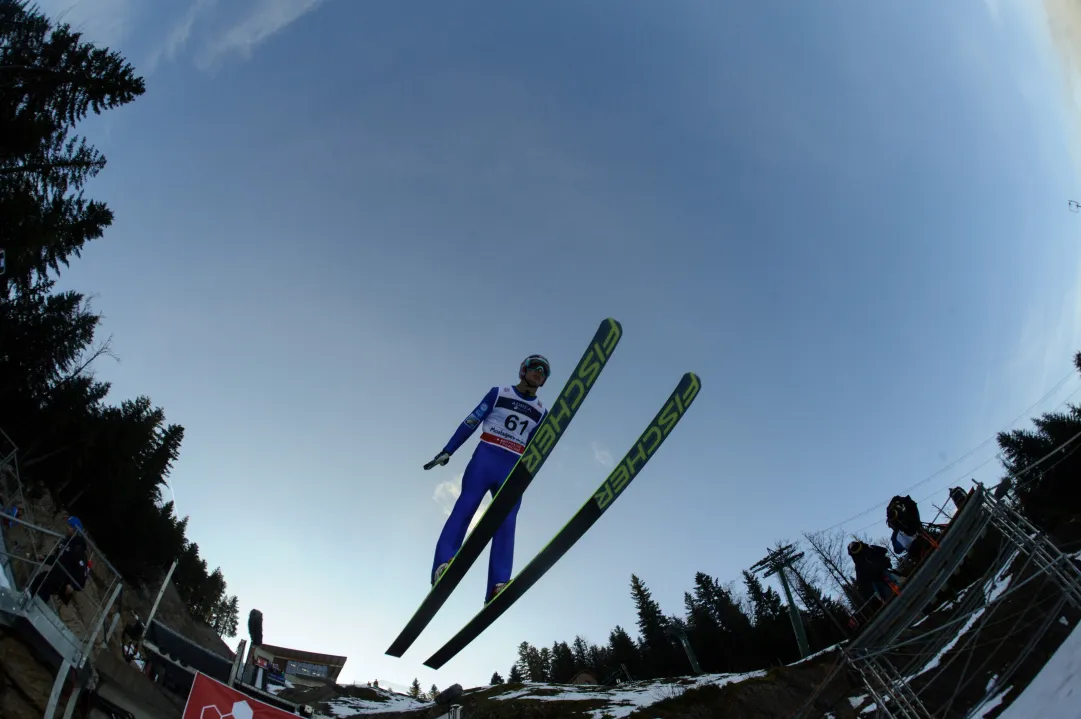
(210,699)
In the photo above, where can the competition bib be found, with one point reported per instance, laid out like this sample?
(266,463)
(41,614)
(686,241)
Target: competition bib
(511,421)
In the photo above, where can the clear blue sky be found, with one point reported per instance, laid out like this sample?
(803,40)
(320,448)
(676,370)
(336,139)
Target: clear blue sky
(338,224)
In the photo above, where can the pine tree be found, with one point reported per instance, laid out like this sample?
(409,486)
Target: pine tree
(525,660)
(774,638)
(599,659)
(544,665)
(655,644)
(622,651)
(706,635)
(514,676)
(226,617)
(414,689)
(1048,493)
(580,649)
(52,80)
(717,610)
(433,693)
(496,679)
(533,663)
(562,667)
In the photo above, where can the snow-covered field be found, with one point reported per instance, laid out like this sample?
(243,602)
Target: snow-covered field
(623,700)
(618,702)
(1053,694)
(1056,690)
(393,702)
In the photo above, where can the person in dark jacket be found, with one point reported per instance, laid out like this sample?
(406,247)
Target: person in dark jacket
(903,514)
(64,571)
(873,570)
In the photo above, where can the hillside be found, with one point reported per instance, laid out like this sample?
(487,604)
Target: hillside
(770,694)
(972,657)
(773,693)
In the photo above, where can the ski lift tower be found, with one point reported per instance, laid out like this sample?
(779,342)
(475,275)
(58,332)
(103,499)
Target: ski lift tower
(775,563)
(679,634)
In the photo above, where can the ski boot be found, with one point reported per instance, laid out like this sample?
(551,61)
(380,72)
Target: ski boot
(495,590)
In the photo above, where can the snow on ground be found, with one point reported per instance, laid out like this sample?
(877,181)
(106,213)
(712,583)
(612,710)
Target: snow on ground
(618,701)
(276,688)
(992,590)
(990,701)
(626,698)
(816,655)
(1056,690)
(991,704)
(392,702)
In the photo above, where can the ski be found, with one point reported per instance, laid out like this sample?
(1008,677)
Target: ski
(614,485)
(544,440)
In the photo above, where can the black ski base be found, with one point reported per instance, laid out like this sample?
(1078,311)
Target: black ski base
(544,439)
(612,487)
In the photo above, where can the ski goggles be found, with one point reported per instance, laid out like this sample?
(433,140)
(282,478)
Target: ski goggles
(536,365)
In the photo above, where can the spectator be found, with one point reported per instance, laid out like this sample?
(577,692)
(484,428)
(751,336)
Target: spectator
(873,572)
(909,536)
(64,571)
(5,511)
(903,515)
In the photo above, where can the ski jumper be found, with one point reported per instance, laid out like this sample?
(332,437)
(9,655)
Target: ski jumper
(507,419)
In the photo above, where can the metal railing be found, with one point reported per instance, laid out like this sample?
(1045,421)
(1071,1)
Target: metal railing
(41,565)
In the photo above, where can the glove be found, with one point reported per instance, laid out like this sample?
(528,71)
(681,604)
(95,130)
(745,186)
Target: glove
(440,459)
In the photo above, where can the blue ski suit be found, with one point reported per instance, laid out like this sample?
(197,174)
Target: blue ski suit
(509,419)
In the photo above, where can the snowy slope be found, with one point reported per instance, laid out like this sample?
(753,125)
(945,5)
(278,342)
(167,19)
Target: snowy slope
(387,702)
(1053,694)
(621,701)
(1056,690)
(613,702)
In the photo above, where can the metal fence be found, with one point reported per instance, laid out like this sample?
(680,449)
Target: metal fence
(63,591)
(59,580)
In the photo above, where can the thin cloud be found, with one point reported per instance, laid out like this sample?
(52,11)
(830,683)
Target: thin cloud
(102,22)
(180,33)
(264,19)
(447,493)
(603,456)
(216,30)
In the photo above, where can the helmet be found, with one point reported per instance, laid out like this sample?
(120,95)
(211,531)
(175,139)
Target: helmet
(534,362)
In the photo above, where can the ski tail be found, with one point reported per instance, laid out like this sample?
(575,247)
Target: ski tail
(613,486)
(544,440)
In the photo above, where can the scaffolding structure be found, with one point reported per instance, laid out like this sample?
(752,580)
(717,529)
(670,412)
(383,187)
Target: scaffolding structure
(968,622)
(64,634)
